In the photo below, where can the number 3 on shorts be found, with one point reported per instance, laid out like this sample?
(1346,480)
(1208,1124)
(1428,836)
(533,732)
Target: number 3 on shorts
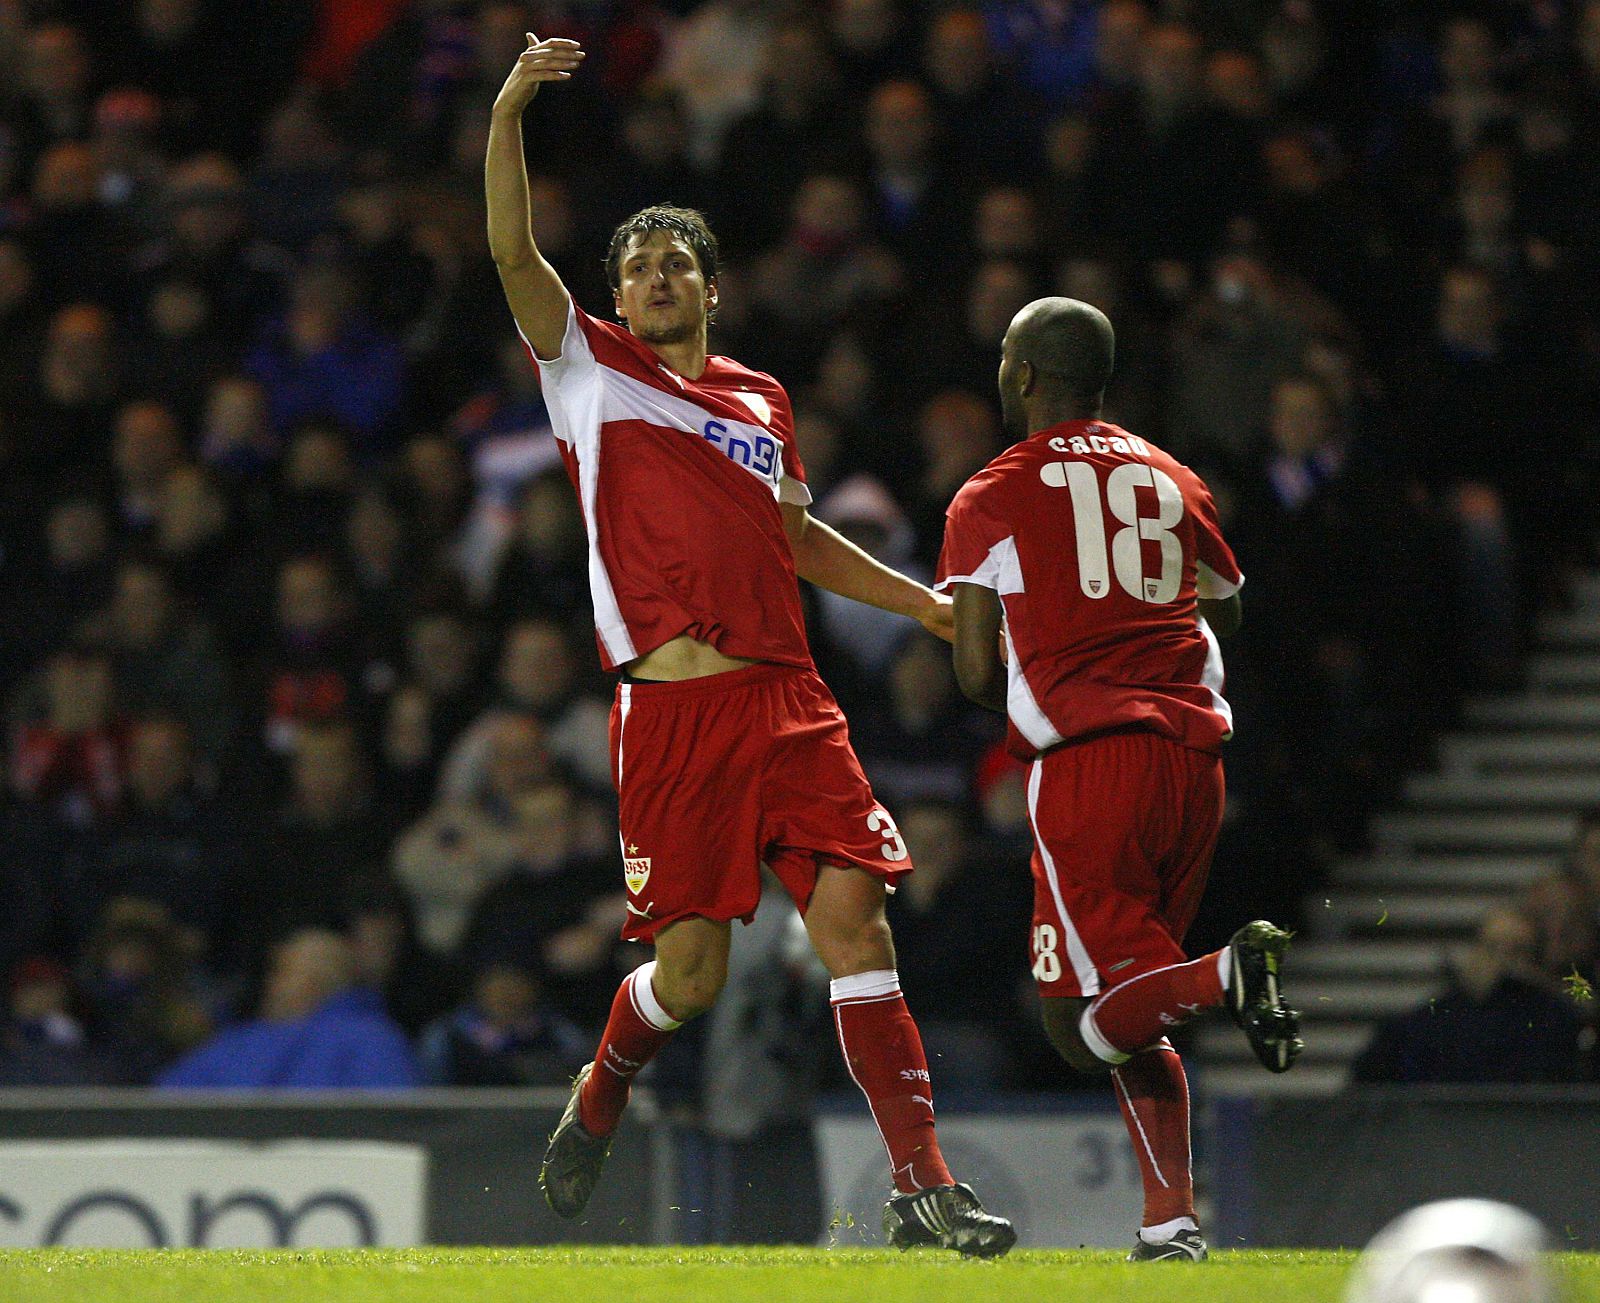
(1046,963)
(894,846)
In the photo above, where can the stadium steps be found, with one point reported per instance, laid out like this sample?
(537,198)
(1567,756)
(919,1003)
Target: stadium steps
(1565,672)
(1515,792)
(1498,814)
(1485,872)
(1409,959)
(1520,753)
(1346,998)
(1336,1044)
(1305,1080)
(1342,914)
(1420,830)
(1573,629)
(1565,710)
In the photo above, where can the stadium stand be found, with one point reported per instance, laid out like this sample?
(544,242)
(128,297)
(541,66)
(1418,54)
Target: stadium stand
(281,549)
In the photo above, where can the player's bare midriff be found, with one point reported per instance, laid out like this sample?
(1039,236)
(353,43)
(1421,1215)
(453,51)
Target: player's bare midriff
(684,657)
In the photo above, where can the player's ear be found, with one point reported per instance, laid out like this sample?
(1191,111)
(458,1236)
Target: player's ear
(616,300)
(711,295)
(1027,378)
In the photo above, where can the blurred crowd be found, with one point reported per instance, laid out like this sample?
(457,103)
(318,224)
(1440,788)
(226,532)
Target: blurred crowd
(305,737)
(1518,1002)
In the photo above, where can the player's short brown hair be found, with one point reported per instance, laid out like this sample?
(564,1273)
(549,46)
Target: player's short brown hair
(688,224)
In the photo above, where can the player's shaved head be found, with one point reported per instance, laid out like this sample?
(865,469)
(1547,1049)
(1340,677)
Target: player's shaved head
(1067,340)
(1056,361)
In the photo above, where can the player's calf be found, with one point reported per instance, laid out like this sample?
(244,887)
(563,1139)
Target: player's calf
(1138,1012)
(1243,977)
(1095,1035)
(639,1025)
(846,923)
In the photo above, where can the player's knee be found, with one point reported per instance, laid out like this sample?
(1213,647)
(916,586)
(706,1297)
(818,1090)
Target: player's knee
(689,987)
(855,946)
(690,995)
(697,998)
(1070,1046)
(1081,1057)
(1061,1018)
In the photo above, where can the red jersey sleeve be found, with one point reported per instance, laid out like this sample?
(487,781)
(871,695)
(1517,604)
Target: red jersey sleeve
(1216,571)
(792,488)
(586,344)
(977,548)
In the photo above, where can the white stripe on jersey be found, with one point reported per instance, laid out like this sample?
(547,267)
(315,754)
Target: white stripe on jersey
(575,420)
(628,398)
(1021,705)
(1212,586)
(1211,677)
(1001,571)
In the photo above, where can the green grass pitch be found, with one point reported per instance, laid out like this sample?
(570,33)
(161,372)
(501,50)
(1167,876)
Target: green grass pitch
(678,1275)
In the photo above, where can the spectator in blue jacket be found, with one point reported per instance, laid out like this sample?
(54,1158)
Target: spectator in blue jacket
(317,1030)
(325,361)
(506,1034)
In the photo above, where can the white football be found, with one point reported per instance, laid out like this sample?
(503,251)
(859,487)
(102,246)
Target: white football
(1455,1251)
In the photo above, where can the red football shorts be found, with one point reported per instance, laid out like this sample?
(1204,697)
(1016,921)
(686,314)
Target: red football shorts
(719,774)
(1124,826)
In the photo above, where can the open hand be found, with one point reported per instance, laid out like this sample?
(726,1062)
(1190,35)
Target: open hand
(555,59)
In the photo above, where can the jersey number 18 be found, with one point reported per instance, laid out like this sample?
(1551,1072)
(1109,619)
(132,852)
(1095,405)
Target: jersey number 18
(1126,558)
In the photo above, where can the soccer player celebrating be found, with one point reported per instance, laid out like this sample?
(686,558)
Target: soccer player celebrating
(727,748)
(1091,580)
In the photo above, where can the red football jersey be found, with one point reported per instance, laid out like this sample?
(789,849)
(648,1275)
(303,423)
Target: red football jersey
(680,482)
(1098,544)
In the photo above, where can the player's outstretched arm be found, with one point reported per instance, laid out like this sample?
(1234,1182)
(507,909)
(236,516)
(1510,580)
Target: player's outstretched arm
(827,559)
(537,297)
(979,670)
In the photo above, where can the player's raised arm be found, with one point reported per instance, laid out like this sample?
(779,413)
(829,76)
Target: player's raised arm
(537,297)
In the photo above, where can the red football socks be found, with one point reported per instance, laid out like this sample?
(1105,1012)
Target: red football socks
(883,1053)
(1154,1096)
(1140,1011)
(635,1032)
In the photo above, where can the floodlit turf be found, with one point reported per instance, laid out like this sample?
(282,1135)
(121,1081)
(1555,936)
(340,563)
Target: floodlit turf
(683,1275)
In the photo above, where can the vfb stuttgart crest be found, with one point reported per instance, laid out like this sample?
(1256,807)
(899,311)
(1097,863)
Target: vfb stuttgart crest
(635,870)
